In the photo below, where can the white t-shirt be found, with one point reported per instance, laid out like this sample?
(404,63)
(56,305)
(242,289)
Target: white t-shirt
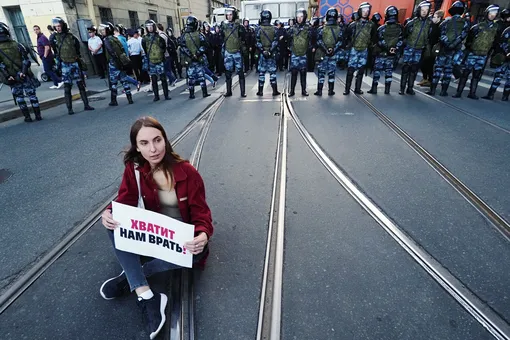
(95,42)
(135,47)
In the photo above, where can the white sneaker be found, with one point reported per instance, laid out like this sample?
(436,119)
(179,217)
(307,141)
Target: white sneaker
(60,84)
(53,87)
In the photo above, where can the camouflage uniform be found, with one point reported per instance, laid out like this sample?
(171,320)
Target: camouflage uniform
(329,41)
(479,42)
(502,71)
(153,61)
(192,45)
(114,50)
(267,43)
(13,62)
(233,37)
(300,37)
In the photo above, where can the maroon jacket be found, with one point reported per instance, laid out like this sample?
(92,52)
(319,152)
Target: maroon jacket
(189,188)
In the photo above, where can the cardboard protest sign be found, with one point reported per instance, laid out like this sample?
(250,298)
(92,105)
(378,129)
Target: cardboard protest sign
(151,234)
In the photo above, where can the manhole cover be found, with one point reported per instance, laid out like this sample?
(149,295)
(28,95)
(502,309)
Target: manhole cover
(4,175)
(96,99)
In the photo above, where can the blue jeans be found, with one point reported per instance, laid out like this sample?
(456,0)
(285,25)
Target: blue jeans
(136,273)
(48,69)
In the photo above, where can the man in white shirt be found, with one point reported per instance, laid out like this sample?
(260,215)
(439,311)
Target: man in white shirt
(136,53)
(96,48)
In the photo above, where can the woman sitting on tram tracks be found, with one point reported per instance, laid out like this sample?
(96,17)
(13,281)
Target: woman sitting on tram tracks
(170,186)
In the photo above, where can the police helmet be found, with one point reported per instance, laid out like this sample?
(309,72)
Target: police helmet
(107,28)
(505,14)
(362,6)
(191,23)
(232,10)
(331,16)
(169,32)
(59,21)
(391,13)
(489,9)
(314,22)
(376,18)
(423,4)
(457,8)
(355,16)
(5,34)
(301,12)
(150,23)
(265,17)
(276,22)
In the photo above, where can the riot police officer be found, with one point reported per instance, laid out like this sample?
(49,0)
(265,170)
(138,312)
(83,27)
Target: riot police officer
(15,72)
(267,43)
(299,35)
(233,41)
(361,35)
(453,32)
(153,62)
(329,41)
(66,48)
(416,34)
(389,41)
(479,41)
(118,61)
(193,50)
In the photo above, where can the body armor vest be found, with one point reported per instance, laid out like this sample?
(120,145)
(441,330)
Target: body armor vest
(454,25)
(420,35)
(11,49)
(232,39)
(362,35)
(391,34)
(117,48)
(330,35)
(65,47)
(156,54)
(267,43)
(300,41)
(192,40)
(482,43)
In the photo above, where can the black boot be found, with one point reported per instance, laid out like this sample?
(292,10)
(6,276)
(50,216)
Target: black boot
(84,98)
(319,89)
(303,83)
(444,89)
(275,89)
(229,86)
(373,90)
(359,81)
(474,85)
(164,85)
(490,95)
(26,113)
(410,83)
(113,98)
(331,87)
(293,82)
(348,81)
(505,95)
(37,112)
(432,91)
(204,92)
(191,90)
(387,87)
(68,98)
(155,88)
(261,88)
(242,86)
(403,79)
(462,83)
(129,97)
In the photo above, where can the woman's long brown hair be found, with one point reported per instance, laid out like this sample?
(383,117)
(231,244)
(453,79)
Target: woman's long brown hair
(170,158)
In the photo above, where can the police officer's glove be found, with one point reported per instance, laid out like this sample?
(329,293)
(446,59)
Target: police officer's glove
(266,54)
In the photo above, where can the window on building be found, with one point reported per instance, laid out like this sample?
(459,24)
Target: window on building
(105,14)
(153,16)
(133,19)
(170,22)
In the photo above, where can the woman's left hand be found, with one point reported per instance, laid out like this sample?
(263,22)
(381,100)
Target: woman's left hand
(198,244)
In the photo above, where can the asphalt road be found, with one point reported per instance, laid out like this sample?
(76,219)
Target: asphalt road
(344,277)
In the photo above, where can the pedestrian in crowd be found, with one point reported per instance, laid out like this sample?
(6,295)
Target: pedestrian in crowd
(15,72)
(136,53)
(427,65)
(96,48)
(217,43)
(168,185)
(48,60)
(66,47)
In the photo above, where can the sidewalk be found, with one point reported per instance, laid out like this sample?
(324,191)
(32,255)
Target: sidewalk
(47,97)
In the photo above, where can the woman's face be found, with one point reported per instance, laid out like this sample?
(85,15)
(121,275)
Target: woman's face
(150,143)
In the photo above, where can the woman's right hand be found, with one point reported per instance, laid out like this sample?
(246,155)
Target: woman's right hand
(108,221)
